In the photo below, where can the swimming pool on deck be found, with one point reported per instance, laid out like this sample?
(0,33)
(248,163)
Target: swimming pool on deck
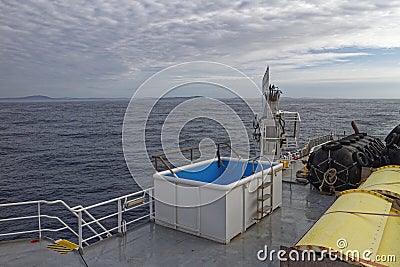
(222,173)
(215,199)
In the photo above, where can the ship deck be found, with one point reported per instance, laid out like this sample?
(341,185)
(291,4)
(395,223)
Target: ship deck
(153,245)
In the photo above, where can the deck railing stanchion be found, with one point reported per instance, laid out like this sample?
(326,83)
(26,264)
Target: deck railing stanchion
(151,204)
(124,229)
(40,226)
(119,217)
(80,229)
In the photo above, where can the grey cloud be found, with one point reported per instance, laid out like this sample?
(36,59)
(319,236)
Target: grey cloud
(94,43)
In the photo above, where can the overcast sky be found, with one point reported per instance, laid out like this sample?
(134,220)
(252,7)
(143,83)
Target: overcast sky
(107,48)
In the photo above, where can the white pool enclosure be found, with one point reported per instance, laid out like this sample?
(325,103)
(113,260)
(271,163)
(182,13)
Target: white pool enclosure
(217,198)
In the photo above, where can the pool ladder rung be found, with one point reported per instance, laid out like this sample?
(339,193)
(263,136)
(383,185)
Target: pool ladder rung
(263,210)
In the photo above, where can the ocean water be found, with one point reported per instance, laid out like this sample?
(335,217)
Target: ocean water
(73,150)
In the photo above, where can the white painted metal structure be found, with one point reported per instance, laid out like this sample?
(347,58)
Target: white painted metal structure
(213,211)
(270,142)
(85,231)
(279,129)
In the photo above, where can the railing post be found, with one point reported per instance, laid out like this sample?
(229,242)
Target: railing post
(156,163)
(120,215)
(80,229)
(40,226)
(123,214)
(151,204)
(244,219)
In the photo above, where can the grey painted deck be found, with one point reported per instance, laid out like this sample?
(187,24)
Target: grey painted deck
(154,245)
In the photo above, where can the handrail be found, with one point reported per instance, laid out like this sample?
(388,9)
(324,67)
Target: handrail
(115,199)
(314,142)
(36,202)
(78,212)
(233,150)
(167,165)
(191,149)
(259,157)
(91,217)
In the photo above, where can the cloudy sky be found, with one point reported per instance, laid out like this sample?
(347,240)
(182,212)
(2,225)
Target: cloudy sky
(107,48)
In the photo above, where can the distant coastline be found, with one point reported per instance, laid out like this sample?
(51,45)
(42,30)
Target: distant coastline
(43,98)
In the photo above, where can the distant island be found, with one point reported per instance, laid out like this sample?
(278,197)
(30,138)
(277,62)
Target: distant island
(43,98)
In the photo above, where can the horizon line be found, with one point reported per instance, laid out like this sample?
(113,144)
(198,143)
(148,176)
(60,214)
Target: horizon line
(45,98)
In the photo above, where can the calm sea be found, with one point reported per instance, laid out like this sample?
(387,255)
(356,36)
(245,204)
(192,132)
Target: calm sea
(73,150)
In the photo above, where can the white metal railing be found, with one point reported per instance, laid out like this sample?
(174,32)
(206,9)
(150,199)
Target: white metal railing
(125,204)
(317,141)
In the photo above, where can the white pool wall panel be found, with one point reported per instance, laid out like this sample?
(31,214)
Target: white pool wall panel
(220,220)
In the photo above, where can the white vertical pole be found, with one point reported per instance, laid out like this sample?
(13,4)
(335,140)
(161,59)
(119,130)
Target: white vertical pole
(199,205)
(176,205)
(151,204)
(119,217)
(244,209)
(40,227)
(80,229)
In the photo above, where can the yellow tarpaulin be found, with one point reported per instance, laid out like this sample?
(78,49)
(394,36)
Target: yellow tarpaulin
(385,180)
(362,221)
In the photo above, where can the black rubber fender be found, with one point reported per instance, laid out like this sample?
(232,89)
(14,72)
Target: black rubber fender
(310,159)
(392,139)
(373,151)
(396,130)
(334,145)
(369,155)
(375,146)
(380,144)
(361,159)
(345,142)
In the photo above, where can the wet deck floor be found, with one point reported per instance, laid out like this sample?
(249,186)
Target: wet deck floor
(154,245)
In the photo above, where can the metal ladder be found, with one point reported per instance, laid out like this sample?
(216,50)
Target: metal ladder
(262,208)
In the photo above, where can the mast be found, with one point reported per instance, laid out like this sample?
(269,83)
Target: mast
(270,134)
